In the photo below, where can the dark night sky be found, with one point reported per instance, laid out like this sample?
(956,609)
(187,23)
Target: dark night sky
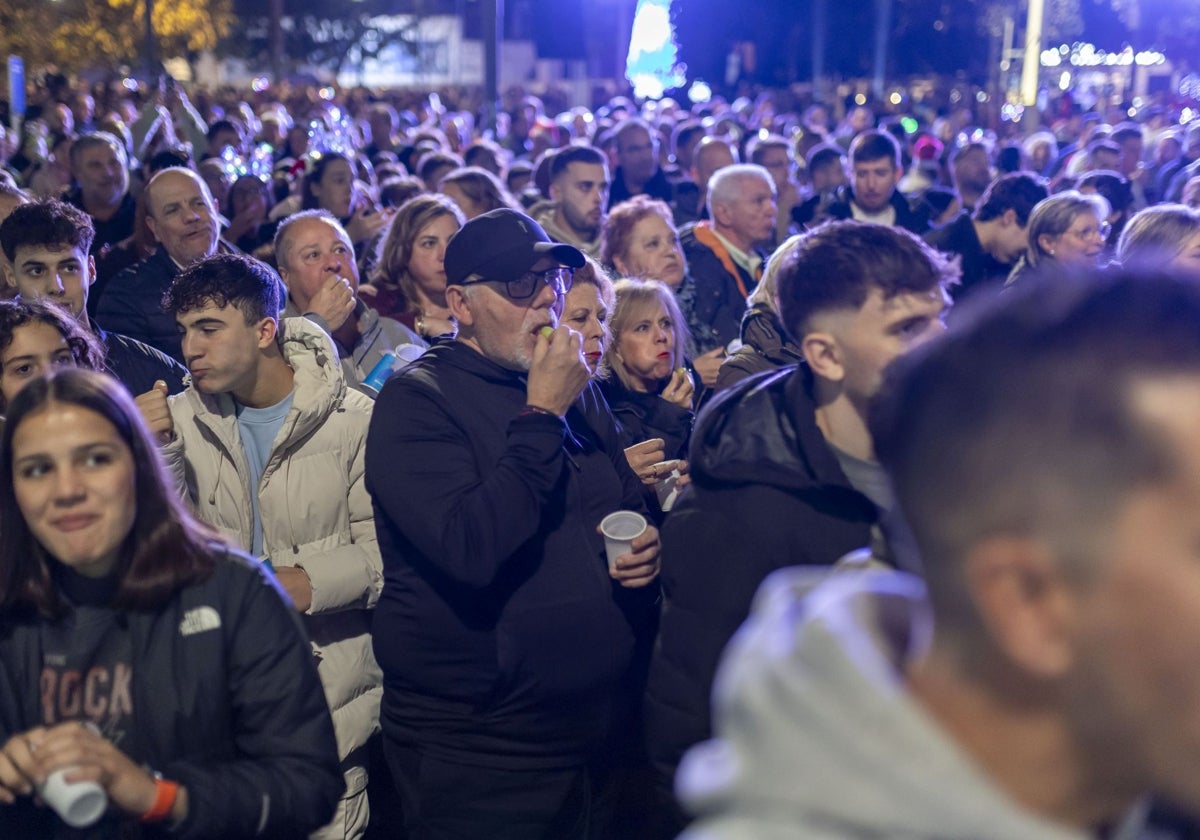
(782,31)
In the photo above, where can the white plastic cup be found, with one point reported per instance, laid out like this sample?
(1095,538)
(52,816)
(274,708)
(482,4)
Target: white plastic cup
(665,487)
(620,529)
(80,804)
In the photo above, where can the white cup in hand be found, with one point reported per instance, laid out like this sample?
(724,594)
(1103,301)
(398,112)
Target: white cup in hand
(620,529)
(78,803)
(665,488)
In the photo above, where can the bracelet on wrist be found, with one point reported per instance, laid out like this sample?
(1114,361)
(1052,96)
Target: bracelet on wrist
(165,792)
(536,409)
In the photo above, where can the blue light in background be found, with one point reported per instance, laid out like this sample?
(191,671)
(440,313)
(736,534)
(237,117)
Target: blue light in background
(652,65)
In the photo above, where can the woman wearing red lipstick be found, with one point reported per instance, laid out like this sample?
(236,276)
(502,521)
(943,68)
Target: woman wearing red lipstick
(131,640)
(649,386)
(586,309)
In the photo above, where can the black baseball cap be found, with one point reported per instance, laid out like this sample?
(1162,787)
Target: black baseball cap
(502,245)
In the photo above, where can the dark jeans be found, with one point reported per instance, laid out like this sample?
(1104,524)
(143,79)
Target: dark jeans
(443,800)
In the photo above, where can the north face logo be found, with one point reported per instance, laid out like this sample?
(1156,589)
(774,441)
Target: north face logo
(199,620)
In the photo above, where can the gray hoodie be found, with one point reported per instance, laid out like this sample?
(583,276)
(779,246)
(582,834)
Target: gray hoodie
(820,740)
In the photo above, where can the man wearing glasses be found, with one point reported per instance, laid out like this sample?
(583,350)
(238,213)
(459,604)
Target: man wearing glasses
(505,640)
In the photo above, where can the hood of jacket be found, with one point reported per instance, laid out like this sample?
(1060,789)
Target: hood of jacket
(763,430)
(319,387)
(819,738)
(544,212)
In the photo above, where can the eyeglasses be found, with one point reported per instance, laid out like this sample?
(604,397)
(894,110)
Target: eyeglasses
(1089,232)
(527,285)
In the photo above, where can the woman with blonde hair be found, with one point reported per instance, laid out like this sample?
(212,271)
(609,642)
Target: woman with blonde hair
(649,387)
(409,279)
(766,343)
(1166,236)
(639,239)
(1067,231)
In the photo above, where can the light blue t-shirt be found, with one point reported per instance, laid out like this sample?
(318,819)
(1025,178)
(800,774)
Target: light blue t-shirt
(258,428)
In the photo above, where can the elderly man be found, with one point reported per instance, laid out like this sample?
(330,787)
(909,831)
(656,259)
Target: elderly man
(774,154)
(507,641)
(183,218)
(316,261)
(1041,679)
(721,253)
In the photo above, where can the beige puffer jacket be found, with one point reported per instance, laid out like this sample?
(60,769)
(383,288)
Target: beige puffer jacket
(315,512)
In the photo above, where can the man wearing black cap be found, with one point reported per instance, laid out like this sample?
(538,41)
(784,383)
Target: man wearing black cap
(507,644)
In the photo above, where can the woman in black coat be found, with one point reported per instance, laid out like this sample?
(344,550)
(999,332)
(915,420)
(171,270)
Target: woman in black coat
(649,385)
(137,653)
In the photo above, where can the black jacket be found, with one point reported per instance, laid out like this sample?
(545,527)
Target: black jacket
(819,209)
(980,270)
(719,302)
(766,345)
(644,416)
(226,701)
(766,492)
(138,366)
(503,640)
(659,186)
(132,304)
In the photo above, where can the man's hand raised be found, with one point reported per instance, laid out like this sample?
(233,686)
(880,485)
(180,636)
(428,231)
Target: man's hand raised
(157,413)
(559,372)
(334,301)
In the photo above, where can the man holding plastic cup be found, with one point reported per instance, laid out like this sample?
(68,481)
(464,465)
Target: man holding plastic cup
(506,642)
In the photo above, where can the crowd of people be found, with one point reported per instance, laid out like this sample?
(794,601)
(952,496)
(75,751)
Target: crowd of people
(314,405)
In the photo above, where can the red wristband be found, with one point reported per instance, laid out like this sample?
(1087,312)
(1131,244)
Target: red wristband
(164,799)
(536,409)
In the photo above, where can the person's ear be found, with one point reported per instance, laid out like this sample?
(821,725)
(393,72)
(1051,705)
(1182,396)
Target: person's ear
(1046,243)
(10,274)
(91,269)
(622,266)
(824,356)
(153,228)
(1026,605)
(1009,217)
(555,193)
(459,305)
(266,331)
(722,215)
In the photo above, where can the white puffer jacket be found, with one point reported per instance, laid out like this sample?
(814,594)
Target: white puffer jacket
(315,514)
